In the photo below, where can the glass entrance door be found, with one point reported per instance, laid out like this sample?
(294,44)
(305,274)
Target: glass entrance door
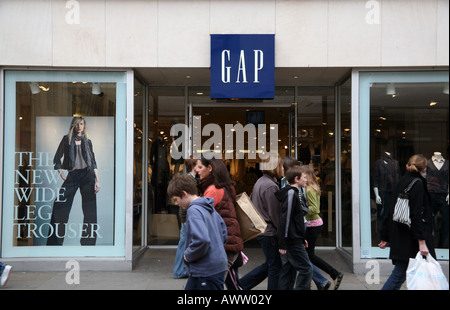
(241,135)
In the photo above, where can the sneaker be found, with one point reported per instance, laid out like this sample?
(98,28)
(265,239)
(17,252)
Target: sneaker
(338,280)
(5,275)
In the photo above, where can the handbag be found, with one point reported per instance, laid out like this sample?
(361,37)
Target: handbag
(251,222)
(425,274)
(401,209)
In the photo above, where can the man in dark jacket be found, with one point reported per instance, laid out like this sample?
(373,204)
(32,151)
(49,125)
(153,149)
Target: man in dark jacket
(291,234)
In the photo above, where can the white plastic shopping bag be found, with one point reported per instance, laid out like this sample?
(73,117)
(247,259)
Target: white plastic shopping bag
(425,274)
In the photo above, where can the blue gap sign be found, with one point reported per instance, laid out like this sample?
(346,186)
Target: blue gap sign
(242,66)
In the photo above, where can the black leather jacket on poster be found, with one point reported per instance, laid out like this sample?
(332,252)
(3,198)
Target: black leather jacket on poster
(67,151)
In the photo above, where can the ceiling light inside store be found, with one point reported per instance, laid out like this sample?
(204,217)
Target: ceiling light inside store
(96,88)
(433,103)
(445,90)
(390,90)
(34,87)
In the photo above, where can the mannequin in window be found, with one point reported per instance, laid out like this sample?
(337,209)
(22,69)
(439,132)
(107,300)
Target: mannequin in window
(174,148)
(386,174)
(160,173)
(437,182)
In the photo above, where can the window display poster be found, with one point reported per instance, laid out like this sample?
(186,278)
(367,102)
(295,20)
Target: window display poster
(50,211)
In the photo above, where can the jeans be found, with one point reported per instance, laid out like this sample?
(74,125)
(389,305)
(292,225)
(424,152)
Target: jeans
(397,277)
(214,282)
(318,278)
(270,269)
(83,179)
(179,268)
(296,259)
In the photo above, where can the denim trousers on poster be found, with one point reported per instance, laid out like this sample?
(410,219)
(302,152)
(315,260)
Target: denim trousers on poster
(213,282)
(397,277)
(83,179)
(295,260)
(269,269)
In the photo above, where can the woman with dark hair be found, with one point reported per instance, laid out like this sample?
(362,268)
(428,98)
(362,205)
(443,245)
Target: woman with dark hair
(79,160)
(215,182)
(406,241)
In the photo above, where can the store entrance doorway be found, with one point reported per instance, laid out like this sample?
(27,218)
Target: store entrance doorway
(246,134)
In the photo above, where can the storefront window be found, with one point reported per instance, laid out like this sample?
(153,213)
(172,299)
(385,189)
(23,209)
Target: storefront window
(316,147)
(408,114)
(60,194)
(345,224)
(166,108)
(138,164)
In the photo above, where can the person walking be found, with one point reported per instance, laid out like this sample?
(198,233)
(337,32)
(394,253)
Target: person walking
(215,182)
(405,242)
(263,197)
(179,268)
(291,234)
(206,235)
(288,162)
(314,224)
(321,282)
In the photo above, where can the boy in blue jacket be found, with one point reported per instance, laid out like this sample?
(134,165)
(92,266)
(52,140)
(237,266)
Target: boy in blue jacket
(291,234)
(206,235)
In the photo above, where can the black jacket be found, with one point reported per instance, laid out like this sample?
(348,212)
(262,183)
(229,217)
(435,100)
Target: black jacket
(291,227)
(67,150)
(403,241)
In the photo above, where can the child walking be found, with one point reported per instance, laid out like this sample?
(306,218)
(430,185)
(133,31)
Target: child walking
(206,235)
(314,228)
(291,234)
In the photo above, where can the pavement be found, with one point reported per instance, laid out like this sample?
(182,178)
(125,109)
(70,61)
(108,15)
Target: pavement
(154,271)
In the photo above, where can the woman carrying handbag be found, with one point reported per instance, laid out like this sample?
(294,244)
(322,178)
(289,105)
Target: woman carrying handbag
(406,241)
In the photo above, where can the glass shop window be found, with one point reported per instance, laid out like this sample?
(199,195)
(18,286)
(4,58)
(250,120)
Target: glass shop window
(59,186)
(408,119)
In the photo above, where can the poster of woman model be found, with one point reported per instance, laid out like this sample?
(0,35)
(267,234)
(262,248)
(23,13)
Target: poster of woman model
(74,196)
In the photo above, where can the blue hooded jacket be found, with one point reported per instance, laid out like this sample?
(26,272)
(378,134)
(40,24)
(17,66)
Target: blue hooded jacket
(206,235)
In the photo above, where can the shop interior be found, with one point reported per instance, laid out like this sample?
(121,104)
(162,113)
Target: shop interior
(305,128)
